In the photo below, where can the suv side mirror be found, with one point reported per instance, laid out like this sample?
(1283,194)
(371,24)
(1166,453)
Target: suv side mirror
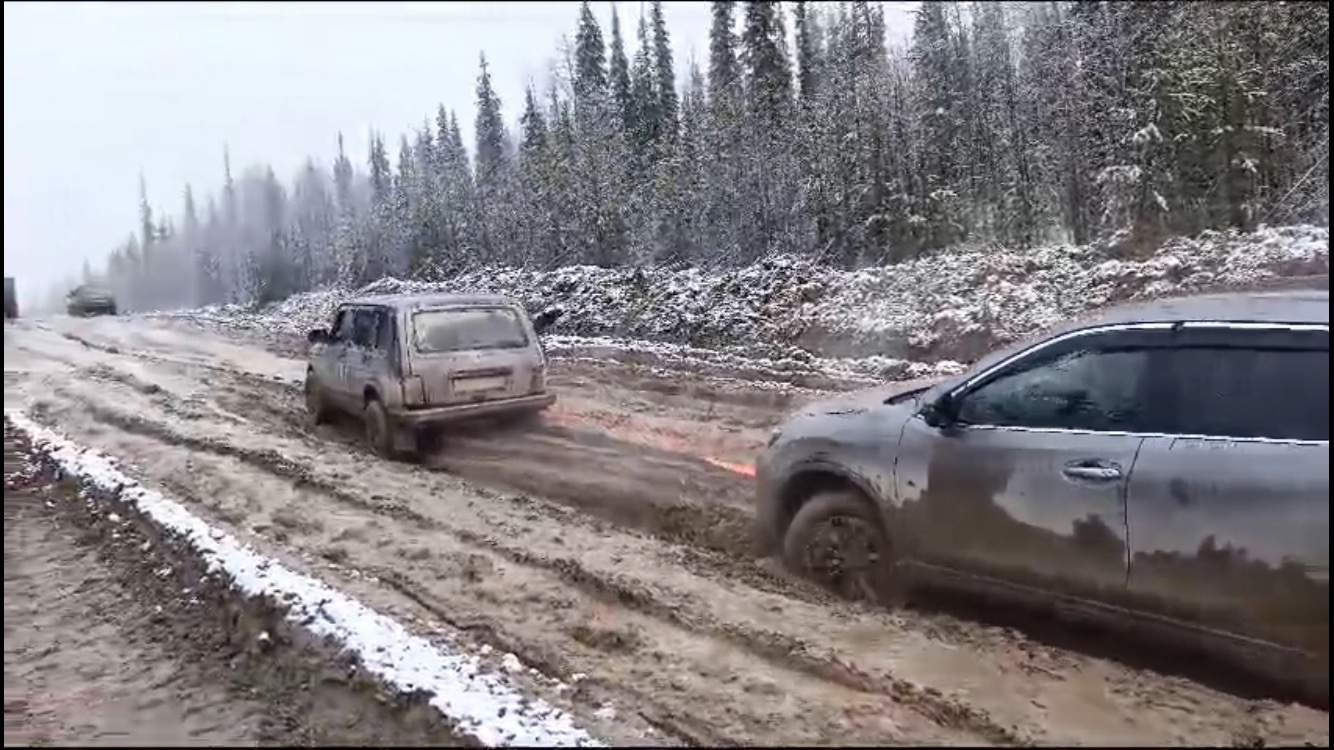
(317,336)
(940,413)
(545,319)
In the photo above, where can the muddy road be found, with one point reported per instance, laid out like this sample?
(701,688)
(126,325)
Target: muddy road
(110,639)
(608,547)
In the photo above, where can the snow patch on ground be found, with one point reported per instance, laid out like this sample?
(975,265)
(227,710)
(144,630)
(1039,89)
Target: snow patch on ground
(789,315)
(484,704)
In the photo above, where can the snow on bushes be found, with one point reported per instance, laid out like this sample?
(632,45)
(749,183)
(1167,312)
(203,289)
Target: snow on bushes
(877,322)
(960,305)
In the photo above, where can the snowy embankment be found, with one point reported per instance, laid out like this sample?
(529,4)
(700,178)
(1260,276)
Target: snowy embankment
(484,704)
(788,315)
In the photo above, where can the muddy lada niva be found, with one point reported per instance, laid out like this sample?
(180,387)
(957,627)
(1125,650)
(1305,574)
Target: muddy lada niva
(410,363)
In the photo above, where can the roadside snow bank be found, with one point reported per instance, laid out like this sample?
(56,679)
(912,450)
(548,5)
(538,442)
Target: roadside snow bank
(797,365)
(483,704)
(949,306)
(963,304)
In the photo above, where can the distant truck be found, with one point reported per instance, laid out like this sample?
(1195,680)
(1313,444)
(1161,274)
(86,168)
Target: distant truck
(85,300)
(11,299)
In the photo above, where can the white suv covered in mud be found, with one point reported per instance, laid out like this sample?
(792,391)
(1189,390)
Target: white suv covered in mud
(409,363)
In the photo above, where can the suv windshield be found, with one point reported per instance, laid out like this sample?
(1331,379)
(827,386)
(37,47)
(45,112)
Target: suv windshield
(435,331)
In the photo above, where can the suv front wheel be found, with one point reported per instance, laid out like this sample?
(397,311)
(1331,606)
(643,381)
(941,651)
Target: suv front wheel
(837,541)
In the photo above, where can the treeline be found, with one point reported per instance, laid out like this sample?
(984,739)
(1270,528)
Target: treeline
(1012,123)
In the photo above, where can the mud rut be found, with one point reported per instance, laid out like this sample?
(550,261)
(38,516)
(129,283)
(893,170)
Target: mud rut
(603,544)
(113,636)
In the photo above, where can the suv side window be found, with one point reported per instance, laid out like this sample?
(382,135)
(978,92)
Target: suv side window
(1249,392)
(364,327)
(1084,389)
(342,327)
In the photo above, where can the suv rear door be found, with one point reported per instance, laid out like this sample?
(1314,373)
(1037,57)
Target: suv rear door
(1229,511)
(475,353)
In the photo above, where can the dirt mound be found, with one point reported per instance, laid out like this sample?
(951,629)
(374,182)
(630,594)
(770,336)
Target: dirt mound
(792,316)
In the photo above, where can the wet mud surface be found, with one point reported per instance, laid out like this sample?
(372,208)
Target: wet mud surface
(611,543)
(113,636)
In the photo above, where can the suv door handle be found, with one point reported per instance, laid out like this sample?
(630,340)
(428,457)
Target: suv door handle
(1092,471)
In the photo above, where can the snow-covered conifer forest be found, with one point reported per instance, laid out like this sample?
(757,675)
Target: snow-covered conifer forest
(803,133)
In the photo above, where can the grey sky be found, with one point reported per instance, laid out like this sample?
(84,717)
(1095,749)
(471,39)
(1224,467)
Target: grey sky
(96,93)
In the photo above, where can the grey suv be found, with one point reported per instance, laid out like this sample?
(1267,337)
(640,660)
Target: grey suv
(1166,465)
(410,363)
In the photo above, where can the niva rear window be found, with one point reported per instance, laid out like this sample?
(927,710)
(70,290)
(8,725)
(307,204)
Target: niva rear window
(467,329)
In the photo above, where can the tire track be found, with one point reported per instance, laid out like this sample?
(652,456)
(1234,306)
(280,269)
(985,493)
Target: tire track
(178,655)
(1037,695)
(782,651)
(610,591)
(721,532)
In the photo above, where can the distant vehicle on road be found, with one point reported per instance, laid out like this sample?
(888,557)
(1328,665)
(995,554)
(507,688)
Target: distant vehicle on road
(85,300)
(1164,466)
(408,364)
(11,299)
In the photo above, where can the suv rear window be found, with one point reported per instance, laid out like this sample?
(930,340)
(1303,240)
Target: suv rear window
(467,329)
(1251,393)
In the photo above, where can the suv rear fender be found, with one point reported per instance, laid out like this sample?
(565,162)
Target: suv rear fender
(387,390)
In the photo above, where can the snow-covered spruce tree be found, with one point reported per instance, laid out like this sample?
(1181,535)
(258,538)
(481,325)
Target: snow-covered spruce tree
(211,287)
(454,184)
(938,74)
(555,184)
(1170,118)
(771,218)
(493,172)
(234,267)
(645,104)
(347,249)
(724,128)
(618,73)
(599,163)
(423,222)
(532,243)
(192,249)
(380,233)
(664,72)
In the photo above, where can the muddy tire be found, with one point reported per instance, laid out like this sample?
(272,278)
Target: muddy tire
(316,409)
(837,541)
(379,429)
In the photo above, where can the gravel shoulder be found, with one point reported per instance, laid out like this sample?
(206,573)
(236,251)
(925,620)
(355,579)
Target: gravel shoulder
(609,549)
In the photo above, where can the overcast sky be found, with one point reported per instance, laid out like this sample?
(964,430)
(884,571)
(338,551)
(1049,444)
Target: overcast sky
(97,93)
